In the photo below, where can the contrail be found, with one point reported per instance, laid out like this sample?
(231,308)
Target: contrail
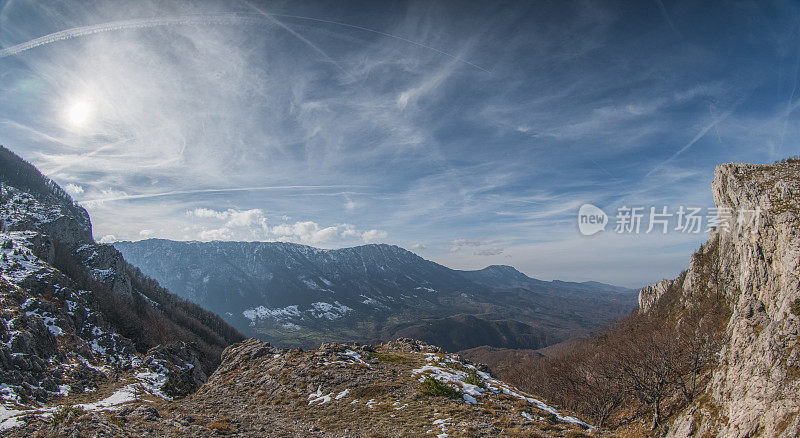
(87,155)
(36,132)
(696,138)
(790,106)
(184,20)
(223,19)
(665,14)
(223,190)
(366,29)
(272,18)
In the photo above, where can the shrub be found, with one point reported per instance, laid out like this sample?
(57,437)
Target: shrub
(796,307)
(63,414)
(116,420)
(474,379)
(431,386)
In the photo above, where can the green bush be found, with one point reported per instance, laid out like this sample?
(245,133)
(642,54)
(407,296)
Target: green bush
(431,386)
(474,379)
(62,414)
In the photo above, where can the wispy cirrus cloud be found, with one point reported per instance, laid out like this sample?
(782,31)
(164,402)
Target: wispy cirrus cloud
(443,123)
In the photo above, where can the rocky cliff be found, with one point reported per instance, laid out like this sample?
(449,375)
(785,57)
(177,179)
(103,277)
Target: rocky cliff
(78,324)
(753,258)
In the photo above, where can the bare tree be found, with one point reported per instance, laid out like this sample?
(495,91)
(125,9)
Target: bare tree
(646,357)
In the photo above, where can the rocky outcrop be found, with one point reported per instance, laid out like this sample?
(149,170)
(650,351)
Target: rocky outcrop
(180,364)
(48,326)
(754,260)
(649,295)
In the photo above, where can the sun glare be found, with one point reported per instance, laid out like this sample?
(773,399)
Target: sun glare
(79,113)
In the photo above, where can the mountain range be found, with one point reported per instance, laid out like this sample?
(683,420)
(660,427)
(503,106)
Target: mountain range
(296,295)
(90,346)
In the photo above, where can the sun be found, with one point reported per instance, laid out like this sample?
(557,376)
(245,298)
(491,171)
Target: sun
(79,113)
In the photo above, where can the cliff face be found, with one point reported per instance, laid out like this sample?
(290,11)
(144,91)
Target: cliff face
(754,259)
(77,323)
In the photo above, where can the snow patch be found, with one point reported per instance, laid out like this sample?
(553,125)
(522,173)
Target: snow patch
(448,370)
(329,311)
(262,312)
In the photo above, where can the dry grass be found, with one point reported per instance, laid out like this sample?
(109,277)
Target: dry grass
(222,426)
(391,358)
(374,391)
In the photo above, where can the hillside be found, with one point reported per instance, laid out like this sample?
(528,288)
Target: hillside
(77,317)
(402,388)
(295,295)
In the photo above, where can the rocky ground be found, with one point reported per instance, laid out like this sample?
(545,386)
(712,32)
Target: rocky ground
(396,389)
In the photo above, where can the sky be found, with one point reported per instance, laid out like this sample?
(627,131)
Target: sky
(468,132)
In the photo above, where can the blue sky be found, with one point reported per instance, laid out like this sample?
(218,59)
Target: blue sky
(467,132)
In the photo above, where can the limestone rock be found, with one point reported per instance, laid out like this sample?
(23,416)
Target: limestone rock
(754,259)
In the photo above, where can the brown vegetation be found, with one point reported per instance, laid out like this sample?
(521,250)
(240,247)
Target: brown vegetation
(645,363)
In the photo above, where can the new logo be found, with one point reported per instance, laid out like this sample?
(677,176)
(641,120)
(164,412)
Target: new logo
(591,219)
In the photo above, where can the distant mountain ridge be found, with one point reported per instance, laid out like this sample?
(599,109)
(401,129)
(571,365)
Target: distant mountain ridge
(297,295)
(509,276)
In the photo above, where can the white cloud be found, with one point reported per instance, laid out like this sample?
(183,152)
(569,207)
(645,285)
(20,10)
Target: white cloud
(349,231)
(405,121)
(233,224)
(73,189)
(146,233)
(489,252)
(207,212)
(372,235)
(236,224)
(306,232)
(419,246)
(108,238)
(457,244)
(246,218)
(217,234)
(309,232)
